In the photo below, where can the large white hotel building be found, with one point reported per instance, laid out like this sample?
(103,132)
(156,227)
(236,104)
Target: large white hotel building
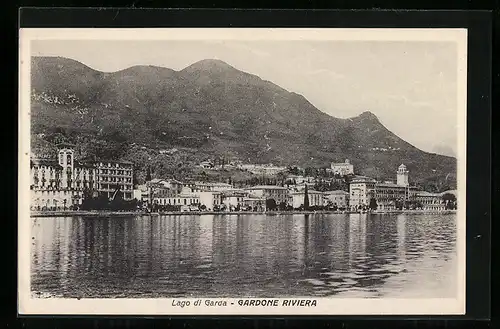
(59,183)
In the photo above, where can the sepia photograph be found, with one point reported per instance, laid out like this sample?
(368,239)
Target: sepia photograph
(242,171)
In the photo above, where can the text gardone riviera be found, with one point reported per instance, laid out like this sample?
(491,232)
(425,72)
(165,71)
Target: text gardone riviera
(277,302)
(247,302)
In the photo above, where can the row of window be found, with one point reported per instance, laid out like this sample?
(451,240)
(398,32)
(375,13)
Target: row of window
(111,165)
(54,192)
(116,172)
(55,202)
(112,187)
(115,179)
(126,171)
(181,201)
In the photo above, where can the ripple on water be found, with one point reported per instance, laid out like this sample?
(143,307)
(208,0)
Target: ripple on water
(204,266)
(315,282)
(333,275)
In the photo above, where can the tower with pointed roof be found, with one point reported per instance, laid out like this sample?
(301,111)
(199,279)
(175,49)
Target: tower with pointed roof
(402,175)
(66,161)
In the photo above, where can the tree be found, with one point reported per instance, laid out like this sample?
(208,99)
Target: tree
(148,175)
(135,182)
(449,200)
(281,177)
(373,204)
(271,204)
(294,170)
(306,199)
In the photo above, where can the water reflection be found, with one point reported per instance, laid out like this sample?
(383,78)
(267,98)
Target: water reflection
(354,255)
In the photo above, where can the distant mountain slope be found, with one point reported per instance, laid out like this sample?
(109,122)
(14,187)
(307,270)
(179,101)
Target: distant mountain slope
(206,110)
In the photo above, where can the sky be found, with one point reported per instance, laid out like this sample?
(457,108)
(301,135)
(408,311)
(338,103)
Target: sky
(411,86)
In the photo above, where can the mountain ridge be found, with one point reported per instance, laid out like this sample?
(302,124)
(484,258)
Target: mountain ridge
(212,109)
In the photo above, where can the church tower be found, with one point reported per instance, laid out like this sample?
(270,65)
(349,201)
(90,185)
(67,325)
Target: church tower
(66,160)
(402,176)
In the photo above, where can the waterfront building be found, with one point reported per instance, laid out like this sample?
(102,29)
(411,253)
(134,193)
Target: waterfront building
(429,201)
(46,190)
(75,174)
(315,198)
(209,199)
(137,194)
(278,193)
(255,204)
(337,198)
(233,199)
(186,200)
(387,194)
(361,189)
(342,168)
(144,193)
(59,183)
(115,177)
(45,173)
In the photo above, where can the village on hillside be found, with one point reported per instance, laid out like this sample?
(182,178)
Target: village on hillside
(68,184)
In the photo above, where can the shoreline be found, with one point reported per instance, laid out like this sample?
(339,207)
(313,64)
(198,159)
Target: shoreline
(199,213)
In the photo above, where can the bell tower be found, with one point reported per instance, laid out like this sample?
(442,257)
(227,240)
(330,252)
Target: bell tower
(66,160)
(402,176)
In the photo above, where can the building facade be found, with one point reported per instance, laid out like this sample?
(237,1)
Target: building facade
(254,204)
(315,198)
(278,193)
(60,183)
(430,201)
(210,199)
(342,168)
(339,199)
(388,196)
(46,188)
(233,199)
(181,200)
(361,190)
(115,177)
(164,188)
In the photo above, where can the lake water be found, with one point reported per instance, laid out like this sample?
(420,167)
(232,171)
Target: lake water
(356,255)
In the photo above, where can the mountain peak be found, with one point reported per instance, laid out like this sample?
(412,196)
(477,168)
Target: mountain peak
(145,70)
(368,115)
(210,65)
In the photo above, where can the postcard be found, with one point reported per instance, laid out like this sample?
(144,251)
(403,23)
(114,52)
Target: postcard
(241,171)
